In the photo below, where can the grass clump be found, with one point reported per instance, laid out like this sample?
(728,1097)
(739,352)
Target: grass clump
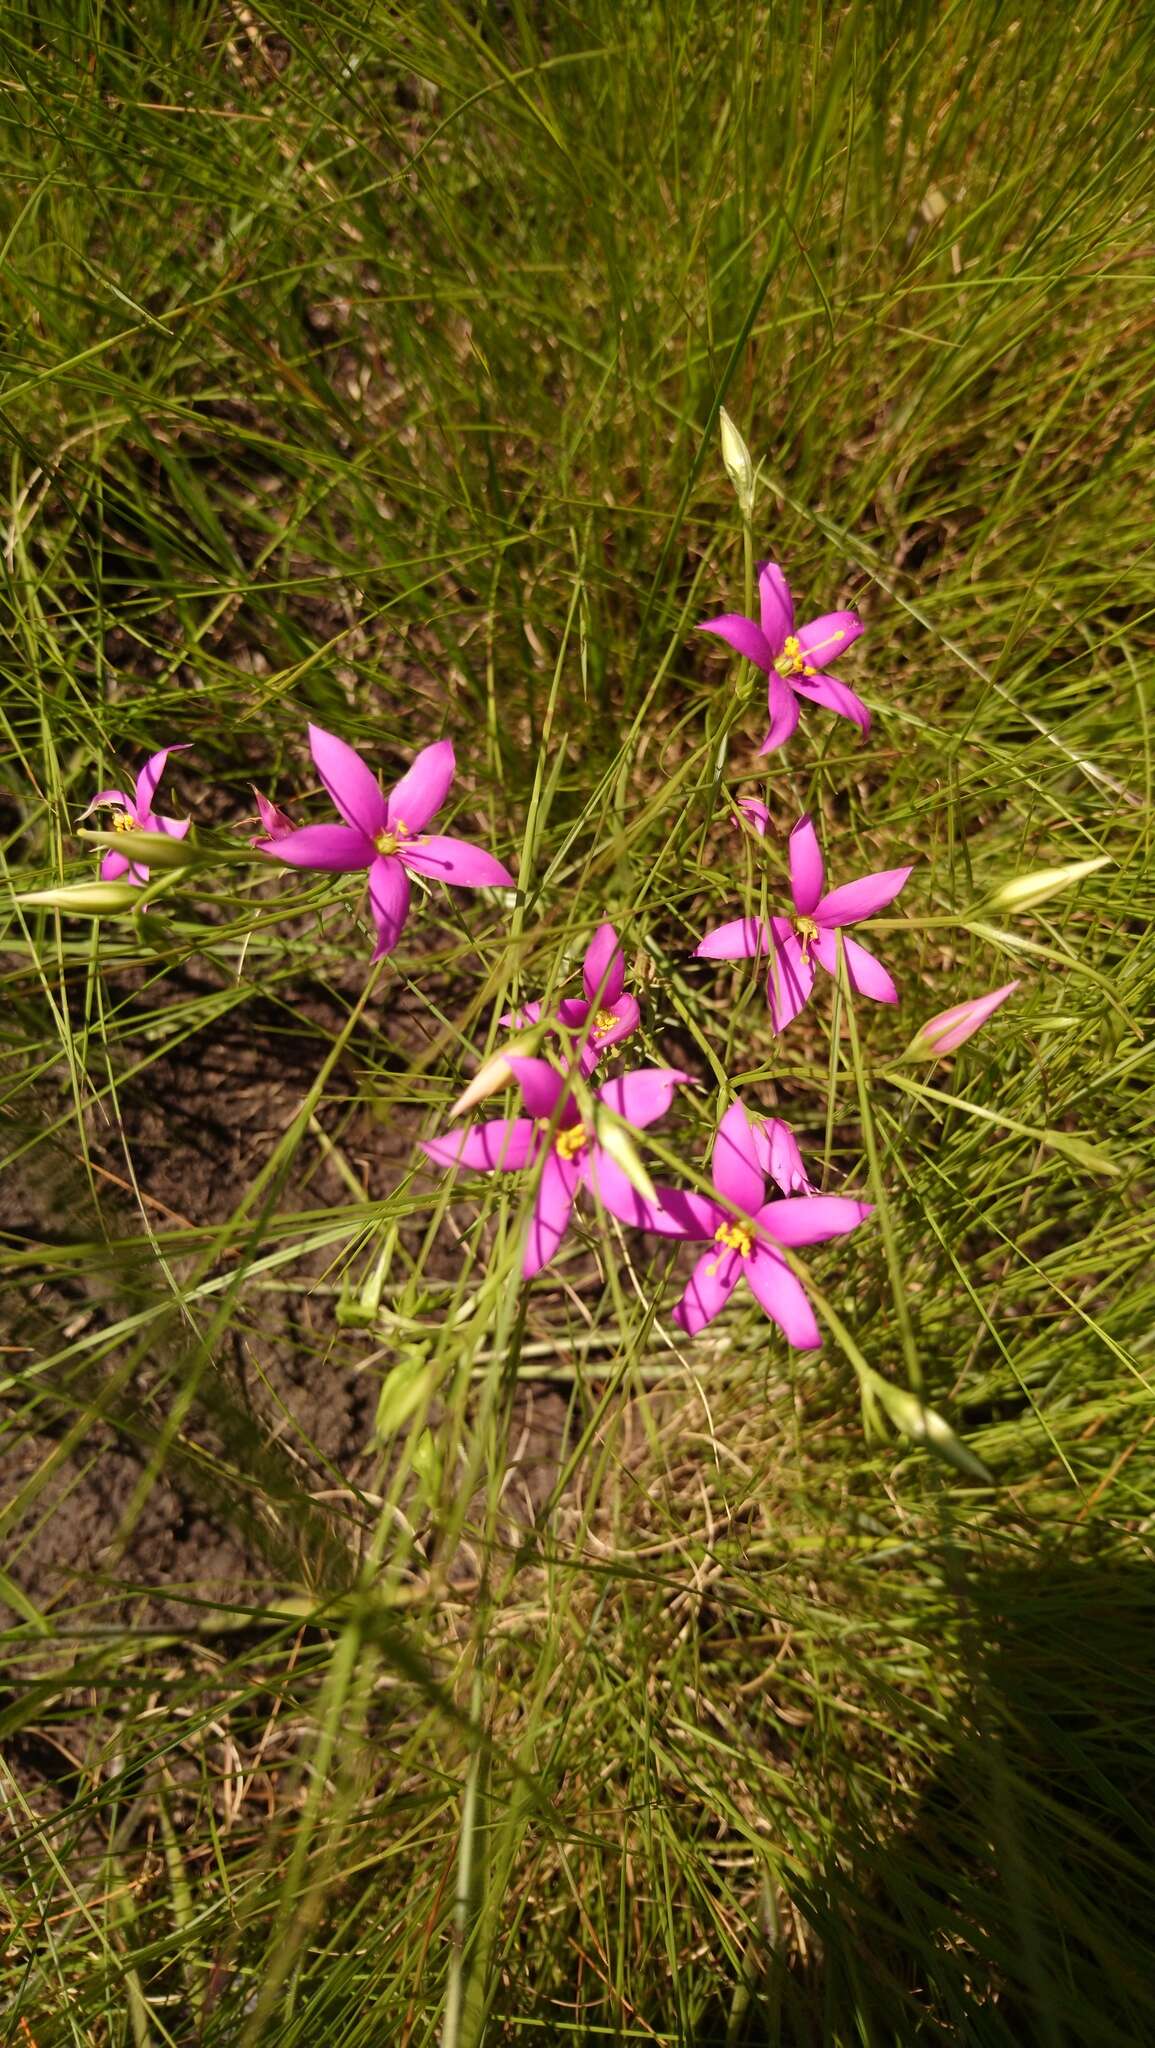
(393,1652)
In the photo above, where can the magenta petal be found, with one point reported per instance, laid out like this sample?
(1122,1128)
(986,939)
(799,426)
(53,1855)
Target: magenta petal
(517,1020)
(711,1284)
(107,796)
(755,813)
(113,865)
(389,903)
(604,967)
(455,861)
(734,1164)
(780,1158)
(679,1213)
(744,939)
(782,1295)
(777,605)
(783,714)
(743,636)
(811,1219)
(551,1213)
(274,821)
(790,980)
(833,696)
(807,874)
(627,1017)
(352,786)
(868,976)
(504,1145)
(422,789)
(542,1088)
(615,1193)
(951,1028)
(643,1096)
(824,639)
(173,828)
(864,898)
(150,775)
(334,849)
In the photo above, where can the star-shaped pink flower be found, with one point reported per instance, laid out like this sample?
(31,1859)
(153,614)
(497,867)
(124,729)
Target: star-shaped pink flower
(135,814)
(793,660)
(385,835)
(794,944)
(605,1015)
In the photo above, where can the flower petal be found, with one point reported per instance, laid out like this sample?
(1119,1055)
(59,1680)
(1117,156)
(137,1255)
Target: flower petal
(517,1020)
(734,1164)
(333,849)
(150,775)
(783,714)
(504,1145)
(551,1213)
(107,796)
(755,813)
(615,1192)
(868,976)
(790,980)
(682,1213)
(455,861)
(812,1219)
(274,821)
(743,636)
(782,1295)
(951,1028)
(833,696)
(627,1017)
(542,1088)
(604,967)
(352,786)
(173,828)
(779,1157)
(643,1096)
(389,903)
(113,865)
(776,604)
(807,874)
(856,900)
(744,939)
(423,788)
(824,639)
(711,1284)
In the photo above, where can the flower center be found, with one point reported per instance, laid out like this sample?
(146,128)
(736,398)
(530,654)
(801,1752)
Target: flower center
(388,842)
(123,821)
(792,661)
(570,1141)
(807,931)
(604,1020)
(737,1237)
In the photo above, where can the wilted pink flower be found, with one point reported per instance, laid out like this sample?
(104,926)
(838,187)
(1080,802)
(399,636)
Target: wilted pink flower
(796,943)
(605,1015)
(136,814)
(747,1230)
(951,1028)
(755,814)
(571,1155)
(385,834)
(779,1157)
(793,661)
(275,823)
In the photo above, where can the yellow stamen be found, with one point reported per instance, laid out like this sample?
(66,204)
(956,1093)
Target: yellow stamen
(737,1237)
(123,821)
(807,931)
(570,1141)
(604,1021)
(790,661)
(388,842)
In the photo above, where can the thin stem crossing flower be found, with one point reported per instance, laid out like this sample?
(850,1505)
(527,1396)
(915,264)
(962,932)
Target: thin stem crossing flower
(570,1155)
(385,836)
(605,1015)
(811,935)
(746,1231)
(793,659)
(135,814)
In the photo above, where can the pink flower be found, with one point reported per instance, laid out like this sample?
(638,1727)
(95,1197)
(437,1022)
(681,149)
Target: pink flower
(570,1154)
(754,813)
(385,835)
(605,1015)
(951,1028)
(275,823)
(796,943)
(779,1157)
(136,814)
(793,661)
(747,1230)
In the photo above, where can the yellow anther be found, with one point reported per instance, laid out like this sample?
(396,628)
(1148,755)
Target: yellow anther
(790,662)
(604,1021)
(807,931)
(737,1237)
(388,842)
(122,821)
(570,1141)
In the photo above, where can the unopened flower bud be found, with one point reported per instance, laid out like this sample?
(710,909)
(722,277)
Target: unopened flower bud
(951,1028)
(739,467)
(89,899)
(147,849)
(495,1073)
(1027,891)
